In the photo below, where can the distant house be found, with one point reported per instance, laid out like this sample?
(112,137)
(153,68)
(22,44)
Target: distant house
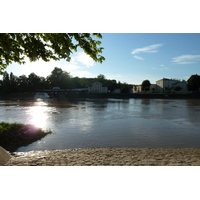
(97,88)
(166,85)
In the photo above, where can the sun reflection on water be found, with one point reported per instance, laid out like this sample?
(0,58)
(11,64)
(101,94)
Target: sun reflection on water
(39,114)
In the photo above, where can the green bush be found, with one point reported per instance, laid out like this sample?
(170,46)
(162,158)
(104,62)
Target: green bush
(15,135)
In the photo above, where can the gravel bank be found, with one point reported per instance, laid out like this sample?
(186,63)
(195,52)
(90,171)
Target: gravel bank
(108,157)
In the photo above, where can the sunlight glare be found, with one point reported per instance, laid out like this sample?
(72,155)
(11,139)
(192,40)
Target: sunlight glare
(39,115)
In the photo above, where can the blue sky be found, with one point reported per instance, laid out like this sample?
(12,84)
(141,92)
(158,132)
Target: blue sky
(130,58)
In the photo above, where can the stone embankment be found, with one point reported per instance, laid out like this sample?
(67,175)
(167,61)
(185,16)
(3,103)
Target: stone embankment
(108,157)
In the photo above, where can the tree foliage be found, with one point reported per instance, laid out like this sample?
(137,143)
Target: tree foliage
(177,88)
(57,78)
(146,85)
(14,47)
(194,83)
(101,77)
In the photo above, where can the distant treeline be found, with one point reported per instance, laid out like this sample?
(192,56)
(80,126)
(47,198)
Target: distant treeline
(58,78)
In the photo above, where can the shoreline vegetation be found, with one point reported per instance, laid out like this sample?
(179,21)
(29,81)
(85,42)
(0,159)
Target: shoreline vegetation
(15,135)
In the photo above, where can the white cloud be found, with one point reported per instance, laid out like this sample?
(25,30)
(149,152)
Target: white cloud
(79,62)
(40,67)
(149,49)
(68,67)
(73,61)
(138,57)
(186,59)
(84,59)
(43,68)
(83,74)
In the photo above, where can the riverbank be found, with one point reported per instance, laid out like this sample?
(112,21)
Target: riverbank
(108,157)
(64,96)
(129,95)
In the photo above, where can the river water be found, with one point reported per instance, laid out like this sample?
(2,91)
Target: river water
(159,123)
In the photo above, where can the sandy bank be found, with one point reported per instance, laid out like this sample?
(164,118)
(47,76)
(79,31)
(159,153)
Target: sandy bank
(108,157)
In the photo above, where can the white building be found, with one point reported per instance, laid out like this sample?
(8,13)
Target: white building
(167,85)
(97,88)
(164,85)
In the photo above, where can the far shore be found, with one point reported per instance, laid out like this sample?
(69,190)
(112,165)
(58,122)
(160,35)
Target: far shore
(64,96)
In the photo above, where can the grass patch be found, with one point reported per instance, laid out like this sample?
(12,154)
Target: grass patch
(15,135)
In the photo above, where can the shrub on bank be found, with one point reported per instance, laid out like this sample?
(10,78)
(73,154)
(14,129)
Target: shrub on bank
(15,135)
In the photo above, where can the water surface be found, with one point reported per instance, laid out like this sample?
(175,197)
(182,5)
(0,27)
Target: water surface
(159,123)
